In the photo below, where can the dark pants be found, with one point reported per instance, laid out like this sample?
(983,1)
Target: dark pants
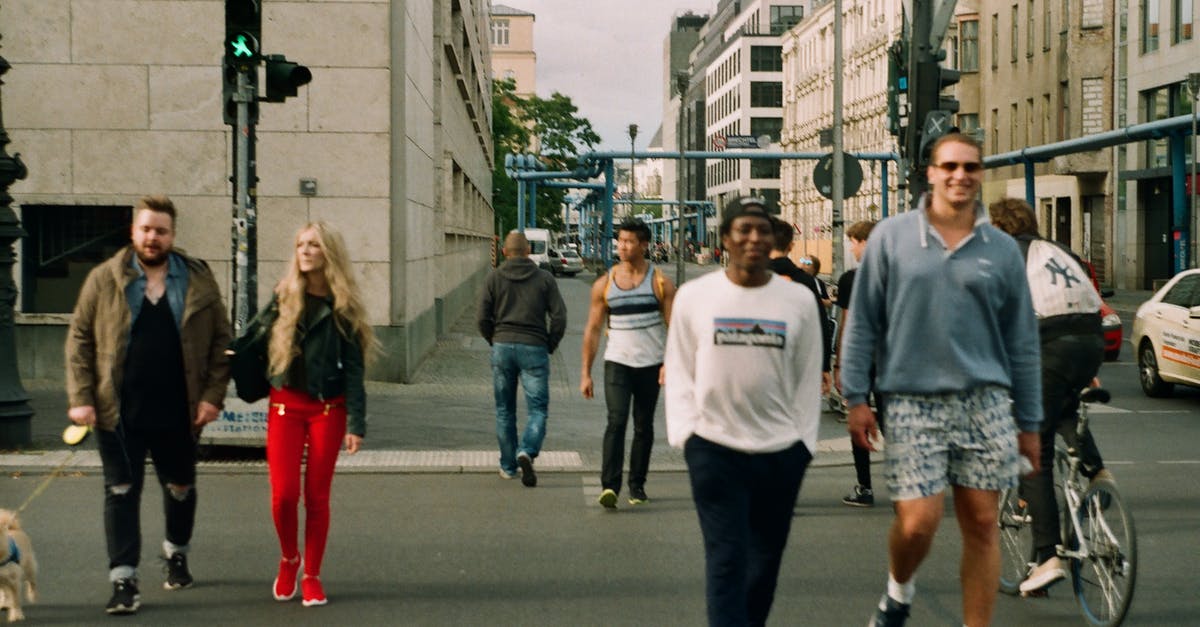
(625,386)
(123,454)
(745,503)
(1068,365)
(862,456)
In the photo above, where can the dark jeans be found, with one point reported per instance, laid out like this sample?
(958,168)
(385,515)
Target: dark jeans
(745,503)
(625,386)
(1068,365)
(862,456)
(123,454)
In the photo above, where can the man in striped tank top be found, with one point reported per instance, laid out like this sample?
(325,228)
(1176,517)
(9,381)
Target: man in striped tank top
(635,298)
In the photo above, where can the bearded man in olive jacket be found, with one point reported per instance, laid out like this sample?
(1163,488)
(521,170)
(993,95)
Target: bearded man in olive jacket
(146,367)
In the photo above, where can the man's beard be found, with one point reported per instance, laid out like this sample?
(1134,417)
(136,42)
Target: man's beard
(151,261)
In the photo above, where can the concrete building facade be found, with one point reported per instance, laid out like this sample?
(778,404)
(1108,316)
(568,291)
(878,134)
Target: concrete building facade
(108,100)
(869,28)
(512,48)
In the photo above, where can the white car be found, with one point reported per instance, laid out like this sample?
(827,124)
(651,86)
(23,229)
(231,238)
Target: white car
(1166,332)
(565,261)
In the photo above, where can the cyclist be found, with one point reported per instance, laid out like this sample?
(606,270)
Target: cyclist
(1068,311)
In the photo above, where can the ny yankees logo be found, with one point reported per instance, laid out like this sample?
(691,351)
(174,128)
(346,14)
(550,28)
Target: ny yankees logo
(1056,270)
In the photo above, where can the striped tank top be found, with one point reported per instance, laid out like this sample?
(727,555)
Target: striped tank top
(637,336)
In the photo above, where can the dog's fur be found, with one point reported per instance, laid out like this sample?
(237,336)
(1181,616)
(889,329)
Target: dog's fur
(12,575)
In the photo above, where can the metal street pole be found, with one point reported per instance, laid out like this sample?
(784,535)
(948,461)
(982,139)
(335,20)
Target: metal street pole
(633,130)
(1194,87)
(16,416)
(839,165)
(681,85)
(245,212)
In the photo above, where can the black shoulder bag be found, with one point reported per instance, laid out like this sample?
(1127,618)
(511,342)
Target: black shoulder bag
(248,356)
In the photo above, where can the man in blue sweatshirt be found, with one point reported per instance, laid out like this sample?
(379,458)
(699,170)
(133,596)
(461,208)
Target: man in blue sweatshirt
(941,305)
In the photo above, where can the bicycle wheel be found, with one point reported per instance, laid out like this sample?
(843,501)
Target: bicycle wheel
(1016,541)
(1104,580)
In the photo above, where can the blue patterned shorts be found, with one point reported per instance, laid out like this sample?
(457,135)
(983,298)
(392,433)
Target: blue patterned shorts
(966,439)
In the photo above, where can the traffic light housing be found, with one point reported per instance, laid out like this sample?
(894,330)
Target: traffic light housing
(243,41)
(938,119)
(898,105)
(284,77)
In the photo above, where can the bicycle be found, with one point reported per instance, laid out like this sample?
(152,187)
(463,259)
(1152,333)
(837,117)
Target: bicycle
(1098,538)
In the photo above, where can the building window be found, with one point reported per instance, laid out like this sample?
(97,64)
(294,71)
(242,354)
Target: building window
(968,124)
(1015,34)
(500,32)
(1046,118)
(766,126)
(995,40)
(766,58)
(1064,110)
(784,18)
(1158,107)
(995,147)
(1046,28)
(1149,25)
(969,44)
(63,244)
(1013,127)
(1181,20)
(1029,128)
(764,168)
(766,94)
(1030,29)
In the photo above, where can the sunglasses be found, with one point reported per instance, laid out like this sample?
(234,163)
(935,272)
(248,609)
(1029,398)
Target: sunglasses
(970,167)
(806,262)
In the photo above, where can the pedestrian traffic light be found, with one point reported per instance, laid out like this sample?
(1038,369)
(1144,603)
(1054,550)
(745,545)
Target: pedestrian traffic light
(229,76)
(284,77)
(938,120)
(243,33)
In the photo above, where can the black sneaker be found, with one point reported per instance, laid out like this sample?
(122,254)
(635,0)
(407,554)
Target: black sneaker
(177,572)
(637,496)
(892,614)
(125,598)
(859,497)
(528,476)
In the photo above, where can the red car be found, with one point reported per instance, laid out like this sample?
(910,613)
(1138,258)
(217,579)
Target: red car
(1110,321)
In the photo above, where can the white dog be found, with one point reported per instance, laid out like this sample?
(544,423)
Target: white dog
(17,565)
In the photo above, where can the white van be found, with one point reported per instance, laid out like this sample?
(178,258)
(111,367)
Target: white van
(539,247)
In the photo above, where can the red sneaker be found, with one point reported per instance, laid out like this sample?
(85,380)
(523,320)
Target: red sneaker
(285,582)
(312,591)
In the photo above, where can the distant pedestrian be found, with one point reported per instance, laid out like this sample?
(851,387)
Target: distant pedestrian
(1072,346)
(743,401)
(634,297)
(783,237)
(861,495)
(146,367)
(522,316)
(812,265)
(941,309)
(319,343)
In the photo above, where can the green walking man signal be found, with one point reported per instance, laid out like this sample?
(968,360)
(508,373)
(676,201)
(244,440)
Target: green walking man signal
(241,47)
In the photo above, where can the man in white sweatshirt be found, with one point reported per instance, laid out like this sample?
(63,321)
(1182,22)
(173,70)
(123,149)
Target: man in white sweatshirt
(743,391)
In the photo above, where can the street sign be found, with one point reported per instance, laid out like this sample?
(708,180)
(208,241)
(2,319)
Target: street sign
(718,142)
(743,141)
(823,176)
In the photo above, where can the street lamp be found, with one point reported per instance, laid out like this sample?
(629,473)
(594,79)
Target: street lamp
(15,414)
(632,179)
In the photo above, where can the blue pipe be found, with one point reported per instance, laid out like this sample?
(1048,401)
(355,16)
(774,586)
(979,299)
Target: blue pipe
(609,188)
(1180,124)
(1030,192)
(883,186)
(533,204)
(520,205)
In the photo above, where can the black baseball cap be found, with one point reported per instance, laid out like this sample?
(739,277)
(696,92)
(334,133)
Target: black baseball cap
(743,206)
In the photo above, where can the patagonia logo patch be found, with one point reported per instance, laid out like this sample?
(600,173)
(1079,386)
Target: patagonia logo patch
(749,332)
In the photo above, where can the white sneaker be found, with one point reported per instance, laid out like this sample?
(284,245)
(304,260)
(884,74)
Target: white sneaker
(1043,575)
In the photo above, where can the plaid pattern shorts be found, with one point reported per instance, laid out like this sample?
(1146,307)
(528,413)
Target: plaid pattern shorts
(967,439)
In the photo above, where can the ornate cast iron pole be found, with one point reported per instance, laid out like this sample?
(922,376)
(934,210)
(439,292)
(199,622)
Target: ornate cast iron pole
(15,414)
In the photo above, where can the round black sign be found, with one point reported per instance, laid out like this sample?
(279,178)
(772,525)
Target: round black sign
(823,176)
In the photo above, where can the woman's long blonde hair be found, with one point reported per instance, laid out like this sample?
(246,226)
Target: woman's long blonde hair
(349,313)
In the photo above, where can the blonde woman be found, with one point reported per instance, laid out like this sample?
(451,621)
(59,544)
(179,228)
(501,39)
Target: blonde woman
(317,347)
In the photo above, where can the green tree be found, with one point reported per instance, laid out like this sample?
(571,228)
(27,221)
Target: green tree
(560,134)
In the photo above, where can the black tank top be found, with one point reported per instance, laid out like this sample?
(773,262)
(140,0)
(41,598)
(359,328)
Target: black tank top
(154,393)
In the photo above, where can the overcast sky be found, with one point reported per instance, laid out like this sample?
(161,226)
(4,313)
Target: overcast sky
(607,57)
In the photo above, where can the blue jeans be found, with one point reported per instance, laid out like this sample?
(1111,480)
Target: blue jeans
(531,364)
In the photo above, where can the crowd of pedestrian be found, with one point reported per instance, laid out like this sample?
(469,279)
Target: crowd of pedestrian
(744,356)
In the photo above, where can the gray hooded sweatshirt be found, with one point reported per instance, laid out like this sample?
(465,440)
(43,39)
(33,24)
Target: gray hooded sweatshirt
(516,299)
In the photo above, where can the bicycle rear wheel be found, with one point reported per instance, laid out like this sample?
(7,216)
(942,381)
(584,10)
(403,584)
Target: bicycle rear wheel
(1105,579)
(1016,541)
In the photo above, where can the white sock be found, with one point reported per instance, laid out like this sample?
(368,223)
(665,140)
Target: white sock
(902,592)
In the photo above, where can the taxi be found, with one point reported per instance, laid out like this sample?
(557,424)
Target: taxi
(1166,332)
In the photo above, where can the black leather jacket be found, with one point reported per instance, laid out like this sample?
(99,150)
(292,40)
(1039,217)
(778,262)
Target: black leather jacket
(333,366)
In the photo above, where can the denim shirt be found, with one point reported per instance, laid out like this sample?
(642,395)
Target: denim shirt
(177,286)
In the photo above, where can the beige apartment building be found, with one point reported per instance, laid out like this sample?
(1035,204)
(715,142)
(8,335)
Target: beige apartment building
(1156,48)
(1045,74)
(870,27)
(512,48)
(108,100)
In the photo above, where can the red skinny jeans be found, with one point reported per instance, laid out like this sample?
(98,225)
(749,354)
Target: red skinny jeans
(293,419)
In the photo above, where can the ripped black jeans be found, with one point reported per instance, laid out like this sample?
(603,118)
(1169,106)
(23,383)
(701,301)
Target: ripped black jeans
(123,454)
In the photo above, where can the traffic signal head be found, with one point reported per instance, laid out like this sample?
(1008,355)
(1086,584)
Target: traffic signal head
(947,78)
(229,85)
(898,89)
(284,78)
(243,33)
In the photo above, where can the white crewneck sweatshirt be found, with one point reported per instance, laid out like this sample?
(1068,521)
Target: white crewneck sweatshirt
(743,365)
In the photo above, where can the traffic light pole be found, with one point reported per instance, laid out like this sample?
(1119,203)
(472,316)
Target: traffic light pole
(919,56)
(839,163)
(245,212)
